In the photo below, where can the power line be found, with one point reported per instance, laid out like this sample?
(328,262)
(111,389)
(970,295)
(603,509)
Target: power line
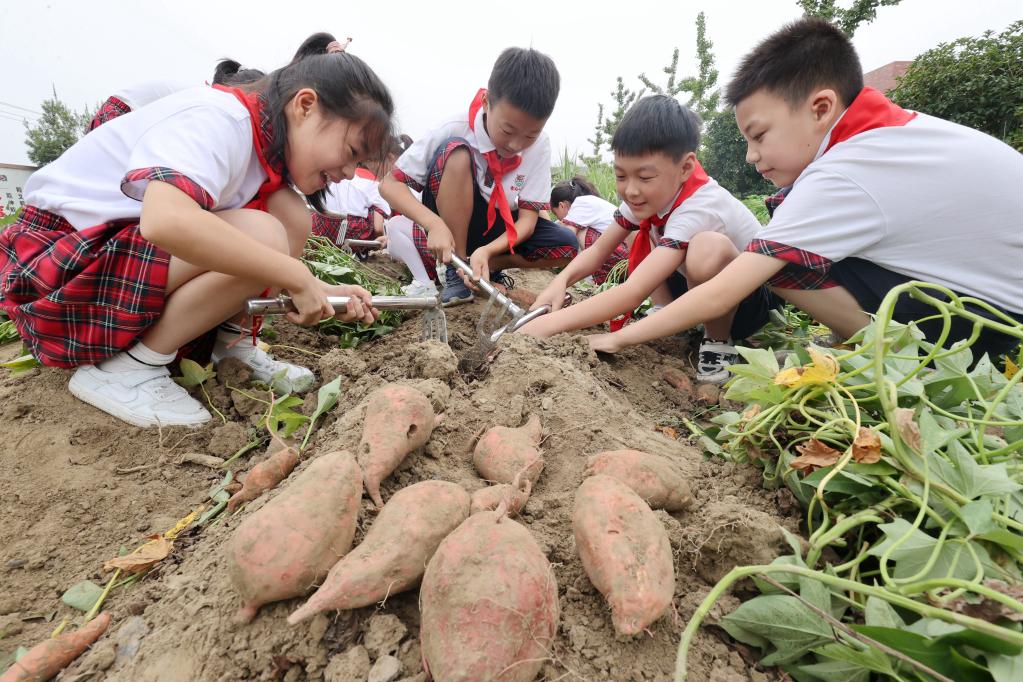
(31,111)
(4,115)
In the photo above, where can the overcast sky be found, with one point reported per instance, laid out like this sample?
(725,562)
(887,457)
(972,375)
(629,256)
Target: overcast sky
(433,55)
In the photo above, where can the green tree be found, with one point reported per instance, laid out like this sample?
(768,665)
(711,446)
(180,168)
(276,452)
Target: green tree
(847,19)
(977,82)
(57,129)
(723,155)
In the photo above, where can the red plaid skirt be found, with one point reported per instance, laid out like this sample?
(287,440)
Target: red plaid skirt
(79,297)
(330,227)
(108,111)
(621,253)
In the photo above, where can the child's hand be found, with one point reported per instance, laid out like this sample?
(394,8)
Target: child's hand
(553,295)
(440,242)
(310,301)
(479,261)
(382,240)
(605,343)
(360,306)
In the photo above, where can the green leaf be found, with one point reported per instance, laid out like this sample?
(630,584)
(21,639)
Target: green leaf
(22,363)
(846,671)
(913,554)
(193,374)
(326,399)
(879,612)
(761,360)
(784,622)
(82,596)
(977,517)
(867,658)
(787,579)
(960,471)
(937,656)
(979,640)
(1005,668)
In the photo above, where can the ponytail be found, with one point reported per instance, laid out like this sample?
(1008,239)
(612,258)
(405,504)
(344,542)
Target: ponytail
(570,190)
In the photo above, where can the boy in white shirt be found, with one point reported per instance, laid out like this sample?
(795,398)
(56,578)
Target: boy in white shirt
(696,225)
(485,176)
(880,196)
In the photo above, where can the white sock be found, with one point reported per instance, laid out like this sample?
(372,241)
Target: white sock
(400,245)
(139,356)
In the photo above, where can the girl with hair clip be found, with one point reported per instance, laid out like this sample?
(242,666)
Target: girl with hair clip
(578,204)
(152,230)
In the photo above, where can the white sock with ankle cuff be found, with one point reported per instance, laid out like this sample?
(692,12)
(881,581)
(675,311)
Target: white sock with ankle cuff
(139,356)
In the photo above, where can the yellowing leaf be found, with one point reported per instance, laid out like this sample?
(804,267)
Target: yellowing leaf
(1011,368)
(908,429)
(823,369)
(143,558)
(184,523)
(814,454)
(867,447)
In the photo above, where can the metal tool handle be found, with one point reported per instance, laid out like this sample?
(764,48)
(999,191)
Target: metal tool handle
(283,304)
(370,244)
(518,323)
(488,288)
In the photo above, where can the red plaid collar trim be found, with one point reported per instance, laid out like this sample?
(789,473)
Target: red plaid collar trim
(266,136)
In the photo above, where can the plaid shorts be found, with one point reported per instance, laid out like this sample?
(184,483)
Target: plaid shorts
(549,240)
(78,297)
(108,111)
(621,253)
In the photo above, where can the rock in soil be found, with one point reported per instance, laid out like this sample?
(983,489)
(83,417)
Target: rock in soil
(386,669)
(384,634)
(228,439)
(351,666)
(433,360)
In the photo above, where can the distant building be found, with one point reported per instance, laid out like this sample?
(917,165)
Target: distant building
(884,78)
(12,183)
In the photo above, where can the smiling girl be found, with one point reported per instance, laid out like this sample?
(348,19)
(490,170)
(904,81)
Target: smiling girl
(153,230)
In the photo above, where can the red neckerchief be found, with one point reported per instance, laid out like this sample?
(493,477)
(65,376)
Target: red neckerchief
(641,244)
(262,135)
(868,111)
(365,174)
(498,167)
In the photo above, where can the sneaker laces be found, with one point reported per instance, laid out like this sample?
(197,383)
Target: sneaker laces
(502,278)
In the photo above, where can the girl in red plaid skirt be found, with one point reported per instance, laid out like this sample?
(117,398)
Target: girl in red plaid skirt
(153,229)
(579,205)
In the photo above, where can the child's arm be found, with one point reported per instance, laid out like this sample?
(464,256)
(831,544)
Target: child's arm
(480,258)
(709,300)
(174,222)
(617,300)
(586,263)
(439,238)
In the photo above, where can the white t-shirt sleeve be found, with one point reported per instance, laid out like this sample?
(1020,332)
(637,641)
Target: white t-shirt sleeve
(625,218)
(413,166)
(199,150)
(826,215)
(536,191)
(685,223)
(583,213)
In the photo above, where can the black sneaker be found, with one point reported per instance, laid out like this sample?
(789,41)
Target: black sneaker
(500,277)
(714,359)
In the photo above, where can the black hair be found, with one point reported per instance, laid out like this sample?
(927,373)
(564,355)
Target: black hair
(230,72)
(345,86)
(526,79)
(796,60)
(657,123)
(570,190)
(313,45)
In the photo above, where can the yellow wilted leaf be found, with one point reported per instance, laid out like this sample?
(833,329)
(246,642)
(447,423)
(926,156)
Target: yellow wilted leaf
(143,558)
(822,369)
(184,523)
(1010,368)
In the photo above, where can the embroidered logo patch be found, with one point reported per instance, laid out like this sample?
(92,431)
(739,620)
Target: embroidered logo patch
(520,182)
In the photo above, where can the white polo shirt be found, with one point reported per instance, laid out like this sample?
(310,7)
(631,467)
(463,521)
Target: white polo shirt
(139,95)
(931,200)
(711,208)
(199,139)
(590,211)
(355,197)
(528,186)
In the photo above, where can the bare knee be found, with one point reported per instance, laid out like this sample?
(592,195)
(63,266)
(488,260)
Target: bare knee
(708,254)
(458,164)
(261,226)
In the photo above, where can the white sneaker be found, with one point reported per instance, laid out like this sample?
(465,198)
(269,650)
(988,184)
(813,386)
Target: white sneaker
(143,397)
(283,377)
(653,309)
(713,361)
(417,288)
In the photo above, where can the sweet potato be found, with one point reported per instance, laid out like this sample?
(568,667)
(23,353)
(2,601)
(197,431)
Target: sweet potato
(489,603)
(264,476)
(651,477)
(284,549)
(625,552)
(399,419)
(514,495)
(394,553)
(48,658)
(503,451)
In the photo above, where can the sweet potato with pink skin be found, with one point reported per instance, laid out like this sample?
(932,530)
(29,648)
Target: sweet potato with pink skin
(651,477)
(514,495)
(395,551)
(284,549)
(264,476)
(489,603)
(399,419)
(625,552)
(46,659)
(504,451)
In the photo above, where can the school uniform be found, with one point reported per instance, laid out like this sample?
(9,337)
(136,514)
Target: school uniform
(501,186)
(591,215)
(76,276)
(127,100)
(357,199)
(701,205)
(893,196)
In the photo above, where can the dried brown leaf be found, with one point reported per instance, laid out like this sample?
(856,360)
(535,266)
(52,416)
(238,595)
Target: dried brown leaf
(814,454)
(143,558)
(668,431)
(867,447)
(908,428)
